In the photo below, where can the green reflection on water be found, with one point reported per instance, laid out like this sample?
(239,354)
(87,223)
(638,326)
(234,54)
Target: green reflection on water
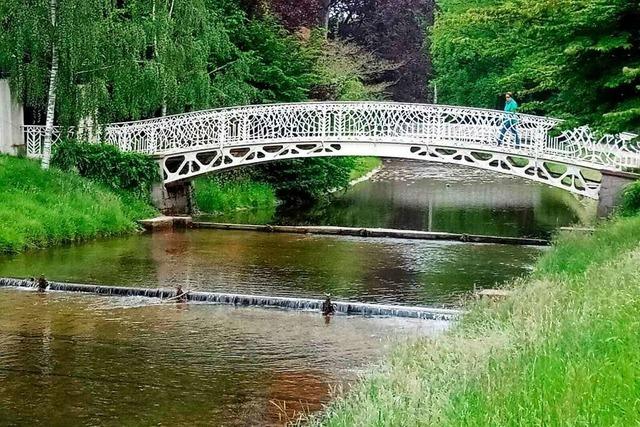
(373,270)
(437,198)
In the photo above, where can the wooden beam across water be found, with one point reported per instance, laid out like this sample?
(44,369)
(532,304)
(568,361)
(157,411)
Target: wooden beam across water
(374,232)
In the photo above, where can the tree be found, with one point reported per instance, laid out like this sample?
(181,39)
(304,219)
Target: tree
(136,59)
(51,102)
(575,59)
(345,71)
(303,13)
(37,56)
(392,30)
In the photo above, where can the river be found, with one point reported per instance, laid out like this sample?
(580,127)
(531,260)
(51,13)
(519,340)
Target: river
(84,359)
(435,197)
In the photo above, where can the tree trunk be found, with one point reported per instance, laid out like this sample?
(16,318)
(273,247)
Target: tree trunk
(326,12)
(51,103)
(156,56)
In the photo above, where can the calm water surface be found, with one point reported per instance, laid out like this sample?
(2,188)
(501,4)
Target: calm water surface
(436,197)
(87,360)
(372,270)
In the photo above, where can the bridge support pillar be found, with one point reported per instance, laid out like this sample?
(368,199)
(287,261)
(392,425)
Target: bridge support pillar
(11,120)
(173,199)
(611,189)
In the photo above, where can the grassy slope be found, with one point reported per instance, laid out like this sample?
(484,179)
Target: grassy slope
(212,196)
(364,165)
(41,208)
(563,349)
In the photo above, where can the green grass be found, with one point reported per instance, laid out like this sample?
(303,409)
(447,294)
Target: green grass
(561,350)
(212,196)
(364,165)
(43,208)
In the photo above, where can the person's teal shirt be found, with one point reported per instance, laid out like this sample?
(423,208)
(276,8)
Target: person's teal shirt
(510,108)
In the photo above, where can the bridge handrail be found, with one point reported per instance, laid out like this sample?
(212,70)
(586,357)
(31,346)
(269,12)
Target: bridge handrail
(318,103)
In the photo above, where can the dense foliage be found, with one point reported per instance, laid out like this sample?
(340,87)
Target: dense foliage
(134,59)
(389,29)
(393,29)
(576,59)
(345,71)
(108,165)
(630,200)
(320,175)
(43,208)
(215,195)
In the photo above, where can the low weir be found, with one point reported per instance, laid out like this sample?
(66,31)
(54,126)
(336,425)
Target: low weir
(307,304)
(369,232)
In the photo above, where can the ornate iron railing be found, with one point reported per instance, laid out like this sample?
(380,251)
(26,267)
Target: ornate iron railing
(367,122)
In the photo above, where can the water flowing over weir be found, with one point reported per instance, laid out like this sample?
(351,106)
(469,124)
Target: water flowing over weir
(247,300)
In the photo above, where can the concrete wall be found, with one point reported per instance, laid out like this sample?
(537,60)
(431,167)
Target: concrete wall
(174,199)
(11,120)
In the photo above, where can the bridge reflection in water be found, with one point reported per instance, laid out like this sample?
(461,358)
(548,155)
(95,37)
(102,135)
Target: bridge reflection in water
(414,195)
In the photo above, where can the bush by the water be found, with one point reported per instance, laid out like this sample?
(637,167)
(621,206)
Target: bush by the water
(107,164)
(42,208)
(304,180)
(213,195)
(630,203)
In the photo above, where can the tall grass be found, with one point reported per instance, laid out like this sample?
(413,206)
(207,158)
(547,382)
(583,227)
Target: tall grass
(562,350)
(42,208)
(213,196)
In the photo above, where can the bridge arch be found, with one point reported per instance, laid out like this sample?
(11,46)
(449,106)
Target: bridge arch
(191,164)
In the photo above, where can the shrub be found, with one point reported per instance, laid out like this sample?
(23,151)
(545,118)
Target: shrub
(630,203)
(119,170)
(303,180)
(214,195)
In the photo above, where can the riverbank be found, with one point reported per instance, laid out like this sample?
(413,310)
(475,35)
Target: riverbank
(560,350)
(44,208)
(213,196)
(363,166)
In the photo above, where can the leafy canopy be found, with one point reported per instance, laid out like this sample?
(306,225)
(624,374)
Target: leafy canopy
(575,59)
(132,59)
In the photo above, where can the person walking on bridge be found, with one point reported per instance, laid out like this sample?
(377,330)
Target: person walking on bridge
(510,120)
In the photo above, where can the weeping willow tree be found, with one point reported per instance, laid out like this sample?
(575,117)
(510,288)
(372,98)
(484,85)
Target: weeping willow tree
(133,59)
(42,43)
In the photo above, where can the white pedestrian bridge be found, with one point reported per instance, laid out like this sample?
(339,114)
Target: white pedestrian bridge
(193,144)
